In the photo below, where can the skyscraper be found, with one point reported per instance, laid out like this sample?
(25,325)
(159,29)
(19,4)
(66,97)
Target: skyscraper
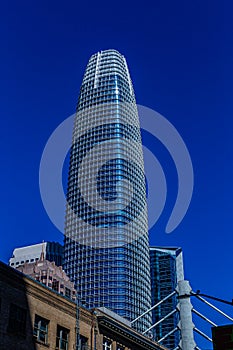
(166,271)
(106,233)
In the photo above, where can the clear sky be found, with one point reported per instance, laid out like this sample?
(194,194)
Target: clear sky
(180,55)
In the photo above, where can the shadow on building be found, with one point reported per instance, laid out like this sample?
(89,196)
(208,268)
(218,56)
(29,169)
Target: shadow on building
(16,332)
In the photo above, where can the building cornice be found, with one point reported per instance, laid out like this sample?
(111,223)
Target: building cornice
(129,334)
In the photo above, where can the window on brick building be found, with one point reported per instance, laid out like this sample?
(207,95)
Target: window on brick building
(17,320)
(40,330)
(120,347)
(83,343)
(107,344)
(62,338)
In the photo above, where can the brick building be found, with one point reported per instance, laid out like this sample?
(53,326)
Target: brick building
(34,317)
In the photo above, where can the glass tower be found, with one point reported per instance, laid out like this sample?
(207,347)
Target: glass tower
(166,271)
(106,234)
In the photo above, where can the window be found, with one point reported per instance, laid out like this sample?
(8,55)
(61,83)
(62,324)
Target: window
(83,341)
(120,347)
(17,320)
(40,331)
(55,285)
(107,344)
(62,338)
(67,292)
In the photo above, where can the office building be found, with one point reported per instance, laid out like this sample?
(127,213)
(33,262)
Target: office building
(53,251)
(106,252)
(166,271)
(49,274)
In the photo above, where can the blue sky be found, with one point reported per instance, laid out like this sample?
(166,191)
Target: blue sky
(180,56)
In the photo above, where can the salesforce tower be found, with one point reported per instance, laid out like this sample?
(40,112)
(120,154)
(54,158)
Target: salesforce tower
(106,234)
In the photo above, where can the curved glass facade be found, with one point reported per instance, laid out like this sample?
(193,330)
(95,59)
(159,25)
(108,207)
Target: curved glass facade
(106,233)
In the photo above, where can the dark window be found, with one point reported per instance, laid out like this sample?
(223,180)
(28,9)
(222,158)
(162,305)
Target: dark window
(17,320)
(62,338)
(55,285)
(67,292)
(83,341)
(40,331)
(120,347)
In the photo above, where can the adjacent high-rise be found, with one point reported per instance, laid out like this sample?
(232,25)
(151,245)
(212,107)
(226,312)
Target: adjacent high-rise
(106,233)
(166,270)
(53,251)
